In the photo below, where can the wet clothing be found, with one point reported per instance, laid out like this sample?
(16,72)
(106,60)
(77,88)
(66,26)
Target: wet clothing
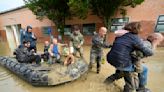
(143,76)
(75,41)
(23,55)
(97,50)
(120,57)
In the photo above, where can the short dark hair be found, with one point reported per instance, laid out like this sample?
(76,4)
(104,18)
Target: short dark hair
(25,41)
(133,27)
(75,27)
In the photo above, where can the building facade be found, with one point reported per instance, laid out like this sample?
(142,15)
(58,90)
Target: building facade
(13,20)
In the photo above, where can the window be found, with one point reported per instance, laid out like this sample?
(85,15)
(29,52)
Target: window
(160,24)
(46,31)
(118,23)
(67,30)
(89,29)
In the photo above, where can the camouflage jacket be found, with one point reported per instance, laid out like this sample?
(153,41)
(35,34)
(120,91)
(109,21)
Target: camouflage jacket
(98,43)
(76,40)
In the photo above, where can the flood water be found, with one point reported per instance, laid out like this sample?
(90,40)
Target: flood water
(91,82)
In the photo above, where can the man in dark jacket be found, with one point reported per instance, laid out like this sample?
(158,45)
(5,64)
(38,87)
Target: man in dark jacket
(23,55)
(120,56)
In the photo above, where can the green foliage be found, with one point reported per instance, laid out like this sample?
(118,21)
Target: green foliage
(105,9)
(55,10)
(79,8)
(59,10)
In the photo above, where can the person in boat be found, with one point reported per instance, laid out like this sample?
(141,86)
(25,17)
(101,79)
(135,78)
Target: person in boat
(28,35)
(96,51)
(24,55)
(54,52)
(45,55)
(68,56)
(76,41)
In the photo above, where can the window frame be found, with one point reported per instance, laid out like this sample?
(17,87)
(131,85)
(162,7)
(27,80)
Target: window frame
(117,23)
(44,30)
(157,23)
(69,27)
(87,26)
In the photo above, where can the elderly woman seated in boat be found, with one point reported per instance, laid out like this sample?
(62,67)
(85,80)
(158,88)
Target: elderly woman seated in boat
(24,55)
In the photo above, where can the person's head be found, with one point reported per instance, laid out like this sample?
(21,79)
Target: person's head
(102,31)
(29,28)
(28,44)
(25,43)
(155,39)
(46,43)
(76,29)
(133,27)
(54,41)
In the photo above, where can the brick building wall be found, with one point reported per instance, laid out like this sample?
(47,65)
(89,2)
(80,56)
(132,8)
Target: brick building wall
(144,13)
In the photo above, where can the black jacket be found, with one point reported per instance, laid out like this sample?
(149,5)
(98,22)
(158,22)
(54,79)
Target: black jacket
(22,53)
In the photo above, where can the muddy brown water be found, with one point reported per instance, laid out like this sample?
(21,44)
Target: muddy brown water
(90,82)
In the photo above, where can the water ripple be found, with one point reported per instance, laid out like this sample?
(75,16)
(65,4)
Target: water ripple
(4,74)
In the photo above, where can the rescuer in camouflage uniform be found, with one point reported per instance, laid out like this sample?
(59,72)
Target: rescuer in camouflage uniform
(77,41)
(98,44)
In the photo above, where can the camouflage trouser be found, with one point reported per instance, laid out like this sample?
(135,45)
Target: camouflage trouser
(131,80)
(80,50)
(94,56)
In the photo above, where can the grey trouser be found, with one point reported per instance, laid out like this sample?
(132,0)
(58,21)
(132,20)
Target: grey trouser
(95,56)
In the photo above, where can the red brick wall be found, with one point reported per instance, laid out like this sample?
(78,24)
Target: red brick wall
(147,28)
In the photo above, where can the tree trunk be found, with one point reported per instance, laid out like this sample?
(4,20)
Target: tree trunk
(107,23)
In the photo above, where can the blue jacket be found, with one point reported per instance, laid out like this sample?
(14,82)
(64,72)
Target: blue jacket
(120,53)
(28,37)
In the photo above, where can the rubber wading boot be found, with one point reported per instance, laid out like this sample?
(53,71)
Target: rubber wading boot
(109,80)
(98,70)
